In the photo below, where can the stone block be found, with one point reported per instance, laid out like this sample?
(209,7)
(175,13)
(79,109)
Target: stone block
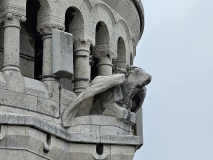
(48,107)
(122,152)
(62,54)
(35,88)
(67,97)
(19,99)
(93,129)
(15,81)
(110,139)
(112,130)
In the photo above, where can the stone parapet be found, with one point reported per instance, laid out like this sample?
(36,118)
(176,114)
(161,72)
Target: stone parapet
(67,135)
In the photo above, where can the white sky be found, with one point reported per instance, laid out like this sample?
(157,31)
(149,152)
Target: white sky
(177,50)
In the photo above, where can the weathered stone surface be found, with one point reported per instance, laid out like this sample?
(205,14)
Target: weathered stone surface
(35,88)
(62,54)
(18,100)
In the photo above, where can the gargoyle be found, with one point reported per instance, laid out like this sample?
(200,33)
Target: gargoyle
(118,95)
(124,100)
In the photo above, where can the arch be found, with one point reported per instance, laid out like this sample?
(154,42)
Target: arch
(101,12)
(101,34)
(44,10)
(120,62)
(74,22)
(29,41)
(109,11)
(124,23)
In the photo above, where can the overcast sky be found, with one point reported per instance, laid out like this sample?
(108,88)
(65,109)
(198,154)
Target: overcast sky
(177,50)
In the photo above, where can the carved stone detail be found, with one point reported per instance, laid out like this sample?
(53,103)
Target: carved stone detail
(82,45)
(49,27)
(103,50)
(9,13)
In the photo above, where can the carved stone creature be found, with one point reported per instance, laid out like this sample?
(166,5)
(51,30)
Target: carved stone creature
(124,100)
(81,106)
(118,95)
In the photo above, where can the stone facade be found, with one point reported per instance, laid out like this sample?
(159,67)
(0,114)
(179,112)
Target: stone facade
(68,89)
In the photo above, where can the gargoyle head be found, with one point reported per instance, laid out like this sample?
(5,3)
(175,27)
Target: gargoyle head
(137,76)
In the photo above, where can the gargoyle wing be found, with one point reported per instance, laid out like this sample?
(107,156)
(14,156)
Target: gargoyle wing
(98,85)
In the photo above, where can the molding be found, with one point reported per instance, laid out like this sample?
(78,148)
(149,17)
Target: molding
(62,133)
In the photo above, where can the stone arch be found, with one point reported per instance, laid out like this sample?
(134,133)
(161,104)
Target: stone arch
(102,31)
(29,38)
(83,8)
(120,62)
(127,29)
(74,23)
(109,11)
(44,13)
(101,12)
(124,32)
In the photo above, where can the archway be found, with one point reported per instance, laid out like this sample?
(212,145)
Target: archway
(120,62)
(30,43)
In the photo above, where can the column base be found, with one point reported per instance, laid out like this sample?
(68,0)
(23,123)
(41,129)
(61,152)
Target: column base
(14,79)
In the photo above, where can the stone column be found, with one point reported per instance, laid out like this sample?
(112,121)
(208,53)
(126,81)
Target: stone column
(105,66)
(46,32)
(52,84)
(105,54)
(81,65)
(11,63)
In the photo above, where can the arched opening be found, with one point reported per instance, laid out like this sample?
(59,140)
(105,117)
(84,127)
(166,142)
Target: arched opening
(30,43)
(101,61)
(101,37)
(74,24)
(102,34)
(120,62)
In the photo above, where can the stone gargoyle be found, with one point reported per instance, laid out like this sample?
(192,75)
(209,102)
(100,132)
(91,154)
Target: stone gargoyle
(119,95)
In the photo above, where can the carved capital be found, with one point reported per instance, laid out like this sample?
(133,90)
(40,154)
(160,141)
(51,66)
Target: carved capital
(47,23)
(13,15)
(48,27)
(103,50)
(82,45)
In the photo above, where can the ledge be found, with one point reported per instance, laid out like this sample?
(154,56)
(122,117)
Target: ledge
(62,133)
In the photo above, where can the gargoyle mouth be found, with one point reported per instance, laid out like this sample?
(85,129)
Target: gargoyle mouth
(147,81)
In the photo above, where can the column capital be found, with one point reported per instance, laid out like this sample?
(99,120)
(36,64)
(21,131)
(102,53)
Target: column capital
(47,27)
(10,18)
(12,13)
(103,50)
(82,45)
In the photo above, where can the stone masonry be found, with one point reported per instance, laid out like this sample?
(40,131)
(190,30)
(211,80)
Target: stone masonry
(68,87)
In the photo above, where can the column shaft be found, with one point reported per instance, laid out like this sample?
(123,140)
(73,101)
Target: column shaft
(47,66)
(12,45)
(105,66)
(81,66)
